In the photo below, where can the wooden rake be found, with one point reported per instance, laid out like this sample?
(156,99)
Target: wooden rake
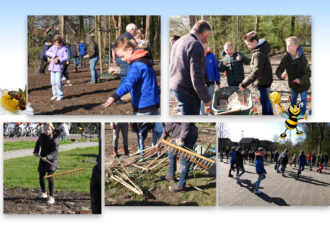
(196,159)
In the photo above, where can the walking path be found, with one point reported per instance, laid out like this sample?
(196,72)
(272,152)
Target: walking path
(310,189)
(28,152)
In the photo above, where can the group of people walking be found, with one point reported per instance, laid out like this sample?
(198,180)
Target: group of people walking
(236,155)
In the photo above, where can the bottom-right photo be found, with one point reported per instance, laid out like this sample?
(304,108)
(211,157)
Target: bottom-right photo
(273,164)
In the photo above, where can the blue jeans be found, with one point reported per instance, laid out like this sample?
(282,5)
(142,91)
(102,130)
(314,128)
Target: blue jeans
(283,169)
(76,61)
(303,99)
(210,89)
(267,107)
(188,105)
(261,176)
(189,143)
(155,137)
(82,61)
(92,63)
(55,79)
(154,112)
(140,140)
(124,67)
(301,168)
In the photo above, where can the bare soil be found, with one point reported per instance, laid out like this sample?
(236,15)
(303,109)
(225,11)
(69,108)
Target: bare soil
(26,201)
(278,85)
(81,98)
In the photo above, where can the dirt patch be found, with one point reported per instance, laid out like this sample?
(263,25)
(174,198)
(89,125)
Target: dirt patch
(278,85)
(25,201)
(81,98)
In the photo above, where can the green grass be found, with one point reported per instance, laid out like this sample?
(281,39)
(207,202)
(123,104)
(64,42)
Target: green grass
(22,172)
(17,145)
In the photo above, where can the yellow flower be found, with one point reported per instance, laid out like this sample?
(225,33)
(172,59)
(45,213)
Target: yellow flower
(10,103)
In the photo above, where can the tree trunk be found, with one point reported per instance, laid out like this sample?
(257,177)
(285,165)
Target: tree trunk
(99,39)
(119,25)
(81,26)
(256,28)
(62,26)
(147,28)
(293,23)
(192,21)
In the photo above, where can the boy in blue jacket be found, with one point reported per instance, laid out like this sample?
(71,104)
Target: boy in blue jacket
(301,162)
(82,52)
(140,81)
(232,155)
(212,74)
(260,169)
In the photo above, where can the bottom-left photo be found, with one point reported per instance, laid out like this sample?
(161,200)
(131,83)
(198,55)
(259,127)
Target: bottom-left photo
(52,168)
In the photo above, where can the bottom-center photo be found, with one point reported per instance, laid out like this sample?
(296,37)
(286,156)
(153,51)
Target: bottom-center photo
(160,164)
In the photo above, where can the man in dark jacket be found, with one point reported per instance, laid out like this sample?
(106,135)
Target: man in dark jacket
(232,63)
(294,65)
(284,160)
(185,134)
(239,164)
(261,70)
(43,56)
(124,66)
(187,64)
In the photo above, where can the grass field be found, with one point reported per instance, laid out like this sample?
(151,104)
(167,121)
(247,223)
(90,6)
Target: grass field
(22,172)
(17,145)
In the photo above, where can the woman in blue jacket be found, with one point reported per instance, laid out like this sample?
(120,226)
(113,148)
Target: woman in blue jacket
(140,81)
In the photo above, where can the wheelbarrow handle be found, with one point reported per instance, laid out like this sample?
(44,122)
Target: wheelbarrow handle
(228,112)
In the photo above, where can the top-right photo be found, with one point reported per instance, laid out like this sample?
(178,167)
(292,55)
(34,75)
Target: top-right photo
(241,65)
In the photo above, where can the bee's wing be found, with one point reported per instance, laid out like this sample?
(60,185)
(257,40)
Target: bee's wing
(285,115)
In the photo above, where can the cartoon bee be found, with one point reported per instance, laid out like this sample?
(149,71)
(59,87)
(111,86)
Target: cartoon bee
(292,119)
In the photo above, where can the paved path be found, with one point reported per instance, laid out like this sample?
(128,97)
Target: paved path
(310,189)
(28,152)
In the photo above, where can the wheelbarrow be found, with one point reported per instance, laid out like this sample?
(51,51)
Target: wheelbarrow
(231,101)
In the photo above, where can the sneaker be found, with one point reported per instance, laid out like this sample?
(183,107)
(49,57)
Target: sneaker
(170,178)
(257,192)
(175,188)
(68,83)
(91,82)
(53,98)
(230,175)
(59,99)
(43,195)
(63,79)
(51,200)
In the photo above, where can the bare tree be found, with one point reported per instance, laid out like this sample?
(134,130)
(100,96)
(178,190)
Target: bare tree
(222,129)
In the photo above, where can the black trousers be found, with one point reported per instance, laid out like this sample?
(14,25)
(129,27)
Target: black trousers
(43,65)
(50,182)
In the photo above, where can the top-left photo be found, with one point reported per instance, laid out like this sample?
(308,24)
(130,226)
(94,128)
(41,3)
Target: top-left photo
(94,65)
